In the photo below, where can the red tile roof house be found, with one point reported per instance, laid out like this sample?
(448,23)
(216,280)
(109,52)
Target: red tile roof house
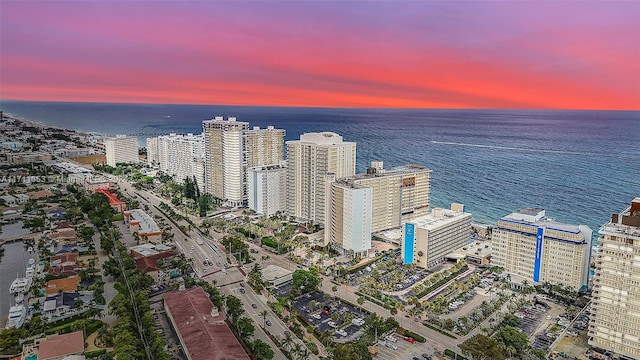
(63,236)
(64,264)
(149,264)
(56,347)
(203,333)
(114,202)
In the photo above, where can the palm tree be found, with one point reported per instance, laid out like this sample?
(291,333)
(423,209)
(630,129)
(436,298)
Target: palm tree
(288,340)
(263,314)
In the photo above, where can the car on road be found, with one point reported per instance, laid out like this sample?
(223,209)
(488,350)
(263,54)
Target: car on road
(410,339)
(242,291)
(268,323)
(242,284)
(426,356)
(254,306)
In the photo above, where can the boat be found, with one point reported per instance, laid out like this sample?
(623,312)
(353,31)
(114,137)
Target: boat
(20,285)
(29,273)
(19,298)
(17,315)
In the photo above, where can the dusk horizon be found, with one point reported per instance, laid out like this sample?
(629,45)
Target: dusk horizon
(407,55)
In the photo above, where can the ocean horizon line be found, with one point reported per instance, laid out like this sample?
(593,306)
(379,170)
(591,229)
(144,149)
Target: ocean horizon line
(318,107)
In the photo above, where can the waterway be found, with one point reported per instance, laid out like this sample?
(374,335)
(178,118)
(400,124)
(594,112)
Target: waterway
(13,262)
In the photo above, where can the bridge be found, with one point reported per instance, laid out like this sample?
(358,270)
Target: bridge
(9,239)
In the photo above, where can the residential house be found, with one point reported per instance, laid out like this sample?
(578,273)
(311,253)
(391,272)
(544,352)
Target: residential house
(55,347)
(68,284)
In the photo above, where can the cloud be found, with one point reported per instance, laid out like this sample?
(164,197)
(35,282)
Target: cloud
(564,55)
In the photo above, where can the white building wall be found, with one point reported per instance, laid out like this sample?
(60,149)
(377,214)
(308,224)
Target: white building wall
(267,189)
(428,239)
(527,244)
(310,160)
(121,149)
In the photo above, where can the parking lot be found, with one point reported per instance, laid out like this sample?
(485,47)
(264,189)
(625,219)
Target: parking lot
(403,350)
(321,316)
(165,330)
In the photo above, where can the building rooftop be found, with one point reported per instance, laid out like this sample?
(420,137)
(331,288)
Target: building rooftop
(145,222)
(67,284)
(60,345)
(113,200)
(204,333)
(438,217)
(373,172)
(273,272)
(475,249)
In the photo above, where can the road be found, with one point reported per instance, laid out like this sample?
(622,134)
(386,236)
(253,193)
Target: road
(348,293)
(277,327)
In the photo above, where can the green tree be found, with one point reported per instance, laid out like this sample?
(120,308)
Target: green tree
(234,308)
(481,347)
(352,351)
(261,350)
(245,327)
(305,281)
(10,341)
(511,337)
(263,314)
(511,320)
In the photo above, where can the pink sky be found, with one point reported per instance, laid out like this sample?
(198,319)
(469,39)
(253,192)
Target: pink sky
(419,54)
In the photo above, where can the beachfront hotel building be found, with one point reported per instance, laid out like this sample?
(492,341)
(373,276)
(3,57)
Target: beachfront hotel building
(121,149)
(179,156)
(427,240)
(265,146)
(312,162)
(230,149)
(349,226)
(536,249)
(400,194)
(153,157)
(615,306)
(267,187)
(226,159)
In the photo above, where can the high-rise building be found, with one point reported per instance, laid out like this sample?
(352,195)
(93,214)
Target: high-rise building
(121,149)
(267,187)
(349,227)
(400,194)
(226,159)
(537,249)
(615,306)
(428,239)
(179,156)
(265,146)
(153,158)
(311,162)
(230,149)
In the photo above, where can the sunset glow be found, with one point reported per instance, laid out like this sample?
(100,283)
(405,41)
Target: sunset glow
(417,54)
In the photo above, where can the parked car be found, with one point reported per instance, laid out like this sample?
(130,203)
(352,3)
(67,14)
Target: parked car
(268,323)
(332,324)
(410,339)
(391,338)
(341,332)
(392,345)
(316,316)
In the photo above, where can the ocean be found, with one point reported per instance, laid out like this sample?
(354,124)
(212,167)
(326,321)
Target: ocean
(581,166)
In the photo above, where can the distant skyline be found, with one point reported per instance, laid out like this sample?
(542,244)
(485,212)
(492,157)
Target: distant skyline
(400,54)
